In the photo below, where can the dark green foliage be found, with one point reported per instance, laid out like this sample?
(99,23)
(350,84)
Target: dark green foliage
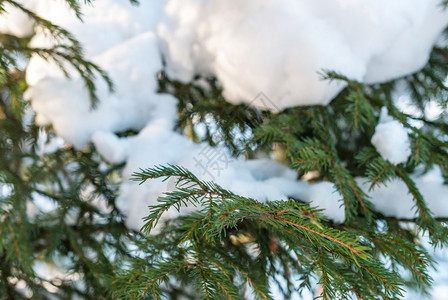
(83,235)
(78,234)
(78,229)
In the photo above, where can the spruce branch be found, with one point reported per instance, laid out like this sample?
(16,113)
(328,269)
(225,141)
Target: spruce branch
(221,214)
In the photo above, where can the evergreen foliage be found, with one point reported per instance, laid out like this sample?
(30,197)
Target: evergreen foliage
(231,245)
(230,235)
(85,237)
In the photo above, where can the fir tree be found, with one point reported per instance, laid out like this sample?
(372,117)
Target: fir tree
(231,245)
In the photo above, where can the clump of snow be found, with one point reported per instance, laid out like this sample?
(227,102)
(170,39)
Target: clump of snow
(325,196)
(133,63)
(278,47)
(410,50)
(118,37)
(14,21)
(106,23)
(46,144)
(391,139)
(394,200)
(110,146)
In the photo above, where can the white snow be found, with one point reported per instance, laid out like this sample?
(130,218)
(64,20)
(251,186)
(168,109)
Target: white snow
(14,21)
(391,199)
(132,64)
(394,199)
(325,196)
(391,139)
(279,46)
(46,144)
